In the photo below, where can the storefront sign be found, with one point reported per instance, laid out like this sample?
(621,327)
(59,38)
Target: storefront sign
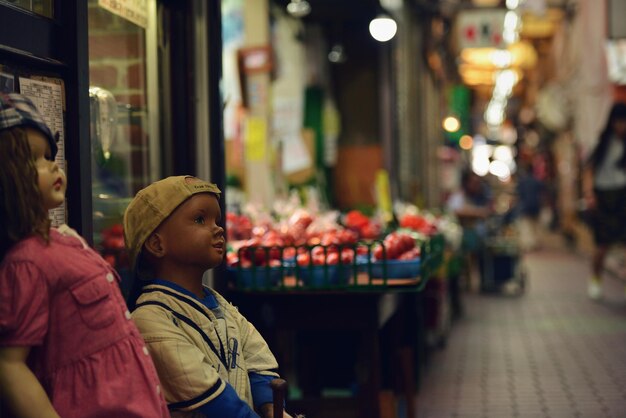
(135,11)
(481,28)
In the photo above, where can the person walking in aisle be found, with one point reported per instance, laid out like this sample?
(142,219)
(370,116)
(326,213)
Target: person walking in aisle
(604,189)
(530,197)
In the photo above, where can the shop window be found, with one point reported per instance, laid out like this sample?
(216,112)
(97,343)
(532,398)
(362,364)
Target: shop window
(124,141)
(41,7)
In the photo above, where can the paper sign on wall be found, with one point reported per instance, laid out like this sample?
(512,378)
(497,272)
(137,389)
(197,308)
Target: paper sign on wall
(286,117)
(255,139)
(296,156)
(48,98)
(135,11)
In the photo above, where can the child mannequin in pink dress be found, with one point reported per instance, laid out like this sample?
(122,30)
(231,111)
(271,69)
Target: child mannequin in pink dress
(67,345)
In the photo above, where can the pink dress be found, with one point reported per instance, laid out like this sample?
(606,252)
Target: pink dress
(63,300)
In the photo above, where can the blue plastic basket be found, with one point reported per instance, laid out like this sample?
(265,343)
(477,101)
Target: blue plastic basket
(396,269)
(316,276)
(258,278)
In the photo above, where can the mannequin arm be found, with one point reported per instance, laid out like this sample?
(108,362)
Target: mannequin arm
(20,388)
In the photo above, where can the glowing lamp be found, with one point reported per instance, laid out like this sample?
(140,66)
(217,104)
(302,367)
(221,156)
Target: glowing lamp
(383,28)
(466,142)
(451,124)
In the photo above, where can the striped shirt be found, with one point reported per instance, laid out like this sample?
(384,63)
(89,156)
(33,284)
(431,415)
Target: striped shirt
(197,349)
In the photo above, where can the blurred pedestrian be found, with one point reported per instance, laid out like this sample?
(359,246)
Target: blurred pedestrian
(530,197)
(472,204)
(604,190)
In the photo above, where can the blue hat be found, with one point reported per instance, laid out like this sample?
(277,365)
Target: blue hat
(17,110)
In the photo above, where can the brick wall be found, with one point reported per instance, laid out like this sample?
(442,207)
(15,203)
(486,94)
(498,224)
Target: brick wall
(117,63)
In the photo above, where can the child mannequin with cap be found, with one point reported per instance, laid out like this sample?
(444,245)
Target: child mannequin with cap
(212,362)
(67,346)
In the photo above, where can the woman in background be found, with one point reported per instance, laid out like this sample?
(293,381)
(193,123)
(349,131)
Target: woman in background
(605,192)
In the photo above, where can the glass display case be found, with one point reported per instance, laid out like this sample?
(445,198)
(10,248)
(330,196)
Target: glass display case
(123,141)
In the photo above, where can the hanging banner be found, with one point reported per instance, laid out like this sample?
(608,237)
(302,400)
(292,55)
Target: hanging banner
(135,11)
(481,28)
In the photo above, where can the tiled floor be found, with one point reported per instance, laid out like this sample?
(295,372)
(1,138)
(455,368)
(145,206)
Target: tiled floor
(548,353)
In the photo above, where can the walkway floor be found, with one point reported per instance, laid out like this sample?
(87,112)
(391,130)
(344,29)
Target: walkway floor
(548,353)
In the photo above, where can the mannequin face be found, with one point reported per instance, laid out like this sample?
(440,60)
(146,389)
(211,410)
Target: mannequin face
(191,236)
(50,178)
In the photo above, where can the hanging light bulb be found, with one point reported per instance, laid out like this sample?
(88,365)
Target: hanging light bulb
(383,28)
(299,8)
(336,54)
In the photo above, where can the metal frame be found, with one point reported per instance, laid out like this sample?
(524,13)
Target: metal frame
(43,40)
(176,60)
(201,82)
(152,86)
(217,148)
(217,158)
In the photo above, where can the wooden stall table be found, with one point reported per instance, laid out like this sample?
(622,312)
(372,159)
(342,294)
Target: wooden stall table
(299,327)
(367,333)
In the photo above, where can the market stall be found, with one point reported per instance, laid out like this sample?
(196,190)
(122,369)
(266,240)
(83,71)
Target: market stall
(340,300)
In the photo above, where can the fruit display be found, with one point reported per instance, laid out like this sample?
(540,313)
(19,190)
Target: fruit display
(398,256)
(426,224)
(418,223)
(272,246)
(112,246)
(238,226)
(320,255)
(365,227)
(316,250)
(397,246)
(307,246)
